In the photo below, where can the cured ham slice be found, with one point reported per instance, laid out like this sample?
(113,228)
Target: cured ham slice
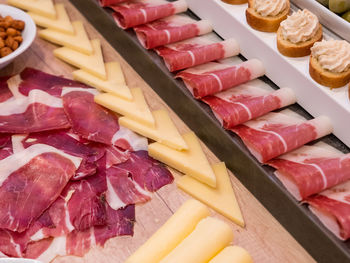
(119,222)
(196,51)
(170,30)
(311,169)
(37,112)
(89,152)
(39,170)
(106,3)
(130,182)
(246,102)
(5,92)
(95,123)
(5,146)
(332,207)
(31,79)
(79,207)
(139,12)
(214,77)
(274,134)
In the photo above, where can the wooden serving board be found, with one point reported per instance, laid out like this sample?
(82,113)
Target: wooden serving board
(264,238)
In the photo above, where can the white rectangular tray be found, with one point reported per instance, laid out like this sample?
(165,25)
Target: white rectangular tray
(230,21)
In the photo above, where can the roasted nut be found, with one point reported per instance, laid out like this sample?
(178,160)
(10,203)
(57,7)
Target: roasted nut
(18,24)
(3,35)
(8,19)
(5,51)
(2,43)
(2,29)
(14,45)
(9,41)
(19,39)
(11,32)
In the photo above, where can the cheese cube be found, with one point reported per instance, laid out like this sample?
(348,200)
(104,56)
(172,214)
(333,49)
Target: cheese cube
(41,7)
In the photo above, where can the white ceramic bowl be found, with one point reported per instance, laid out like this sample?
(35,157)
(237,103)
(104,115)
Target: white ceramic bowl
(28,33)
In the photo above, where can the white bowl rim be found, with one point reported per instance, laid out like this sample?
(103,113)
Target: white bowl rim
(26,42)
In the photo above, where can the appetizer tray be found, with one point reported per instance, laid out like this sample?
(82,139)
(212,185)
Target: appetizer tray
(229,21)
(296,218)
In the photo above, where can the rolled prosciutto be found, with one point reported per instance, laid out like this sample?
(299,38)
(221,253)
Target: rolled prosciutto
(196,51)
(246,102)
(139,12)
(274,134)
(311,169)
(332,207)
(170,30)
(106,3)
(214,77)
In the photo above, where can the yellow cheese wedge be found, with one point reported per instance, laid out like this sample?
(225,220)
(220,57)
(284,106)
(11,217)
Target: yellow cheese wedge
(222,198)
(164,132)
(192,161)
(60,23)
(114,84)
(232,254)
(79,41)
(91,63)
(210,236)
(176,229)
(41,7)
(136,109)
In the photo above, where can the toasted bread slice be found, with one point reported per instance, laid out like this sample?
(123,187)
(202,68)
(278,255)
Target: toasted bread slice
(326,77)
(301,49)
(235,2)
(264,23)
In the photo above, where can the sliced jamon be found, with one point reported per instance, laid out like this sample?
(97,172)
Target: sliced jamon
(5,145)
(119,222)
(170,30)
(95,123)
(79,207)
(274,134)
(39,170)
(139,12)
(332,207)
(131,181)
(246,102)
(89,119)
(35,79)
(38,112)
(213,77)
(196,51)
(88,151)
(5,92)
(105,3)
(311,169)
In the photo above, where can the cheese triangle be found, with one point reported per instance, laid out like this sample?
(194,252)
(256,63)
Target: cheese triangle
(41,7)
(222,198)
(60,23)
(114,84)
(79,41)
(192,161)
(91,63)
(136,109)
(164,131)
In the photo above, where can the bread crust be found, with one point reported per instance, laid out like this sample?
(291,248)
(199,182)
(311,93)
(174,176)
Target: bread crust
(262,23)
(302,49)
(327,78)
(235,2)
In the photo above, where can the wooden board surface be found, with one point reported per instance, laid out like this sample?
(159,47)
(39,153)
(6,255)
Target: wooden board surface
(265,239)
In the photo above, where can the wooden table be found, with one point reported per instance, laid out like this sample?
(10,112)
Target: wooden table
(265,239)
